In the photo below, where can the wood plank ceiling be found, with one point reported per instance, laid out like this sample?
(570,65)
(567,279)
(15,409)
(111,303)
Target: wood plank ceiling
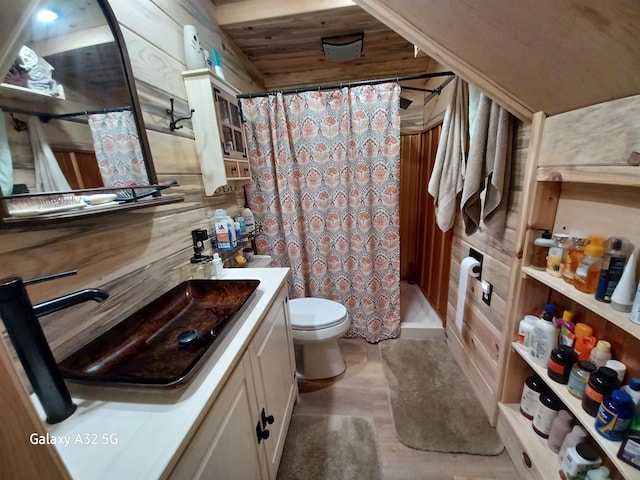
(530,55)
(283,41)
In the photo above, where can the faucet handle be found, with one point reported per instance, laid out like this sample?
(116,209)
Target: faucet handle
(50,277)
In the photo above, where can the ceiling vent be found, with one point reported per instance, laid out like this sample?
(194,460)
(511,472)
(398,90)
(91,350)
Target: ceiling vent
(343,48)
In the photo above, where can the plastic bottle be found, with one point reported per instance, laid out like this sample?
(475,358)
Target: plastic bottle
(614,415)
(633,389)
(218,267)
(572,258)
(249,220)
(585,341)
(540,250)
(243,227)
(579,377)
(635,309)
(549,406)
(555,256)
(525,330)
(236,225)
(574,437)
(612,267)
(578,460)
(560,363)
(560,428)
(622,296)
(531,390)
(601,473)
(544,339)
(588,269)
(601,353)
(566,326)
(601,383)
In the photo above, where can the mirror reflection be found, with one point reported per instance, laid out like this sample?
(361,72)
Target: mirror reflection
(67,121)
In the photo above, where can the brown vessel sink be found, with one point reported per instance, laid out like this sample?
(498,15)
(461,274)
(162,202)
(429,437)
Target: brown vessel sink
(165,342)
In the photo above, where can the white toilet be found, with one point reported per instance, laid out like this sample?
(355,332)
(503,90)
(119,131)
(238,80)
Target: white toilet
(317,323)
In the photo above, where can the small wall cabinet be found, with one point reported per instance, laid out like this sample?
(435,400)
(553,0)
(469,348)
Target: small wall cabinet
(243,433)
(579,179)
(217,125)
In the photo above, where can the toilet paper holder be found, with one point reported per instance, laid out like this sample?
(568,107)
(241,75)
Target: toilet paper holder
(478,256)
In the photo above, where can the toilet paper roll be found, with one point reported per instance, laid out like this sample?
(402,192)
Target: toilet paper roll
(468,268)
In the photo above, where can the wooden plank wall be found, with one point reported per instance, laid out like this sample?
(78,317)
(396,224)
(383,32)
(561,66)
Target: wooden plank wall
(477,349)
(135,256)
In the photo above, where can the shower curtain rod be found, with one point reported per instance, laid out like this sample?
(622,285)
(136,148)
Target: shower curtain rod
(352,84)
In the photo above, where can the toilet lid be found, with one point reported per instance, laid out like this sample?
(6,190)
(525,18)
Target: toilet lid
(315,313)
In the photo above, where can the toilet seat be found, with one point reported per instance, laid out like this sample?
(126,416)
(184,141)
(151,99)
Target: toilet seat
(312,314)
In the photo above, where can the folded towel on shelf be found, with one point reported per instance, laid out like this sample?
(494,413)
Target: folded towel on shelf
(27,58)
(40,79)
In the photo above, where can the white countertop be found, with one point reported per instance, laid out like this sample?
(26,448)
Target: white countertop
(126,434)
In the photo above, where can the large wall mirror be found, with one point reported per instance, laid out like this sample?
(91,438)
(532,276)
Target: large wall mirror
(70,116)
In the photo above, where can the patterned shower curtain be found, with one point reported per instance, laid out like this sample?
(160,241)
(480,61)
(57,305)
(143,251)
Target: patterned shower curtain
(117,147)
(325,190)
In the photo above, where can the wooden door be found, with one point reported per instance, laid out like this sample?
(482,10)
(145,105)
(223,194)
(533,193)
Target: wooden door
(425,251)
(79,167)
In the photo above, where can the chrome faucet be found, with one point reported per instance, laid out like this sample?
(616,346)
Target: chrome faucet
(20,318)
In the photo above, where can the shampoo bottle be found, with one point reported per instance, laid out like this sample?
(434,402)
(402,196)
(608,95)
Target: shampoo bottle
(249,221)
(217,265)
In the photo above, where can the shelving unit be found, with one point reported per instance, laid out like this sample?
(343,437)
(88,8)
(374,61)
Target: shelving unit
(217,126)
(579,179)
(574,405)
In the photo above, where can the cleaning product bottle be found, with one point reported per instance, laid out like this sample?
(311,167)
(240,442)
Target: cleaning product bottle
(540,250)
(545,335)
(623,295)
(612,267)
(222,235)
(572,257)
(588,269)
(249,220)
(585,341)
(566,336)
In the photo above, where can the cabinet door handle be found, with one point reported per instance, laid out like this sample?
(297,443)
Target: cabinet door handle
(234,170)
(266,419)
(260,433)
(246,170)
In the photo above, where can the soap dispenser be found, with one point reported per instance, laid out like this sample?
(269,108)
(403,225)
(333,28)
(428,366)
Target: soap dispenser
(540,250)
(201,267)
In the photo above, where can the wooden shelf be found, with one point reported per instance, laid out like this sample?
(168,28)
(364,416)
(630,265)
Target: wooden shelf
(546,462)
(574,405)
(620,319)
(622,175)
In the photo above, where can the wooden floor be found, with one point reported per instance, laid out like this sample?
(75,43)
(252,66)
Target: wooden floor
(362,391)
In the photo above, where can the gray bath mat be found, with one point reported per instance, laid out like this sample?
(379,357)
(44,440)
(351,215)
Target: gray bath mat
(330,447)
(432,403)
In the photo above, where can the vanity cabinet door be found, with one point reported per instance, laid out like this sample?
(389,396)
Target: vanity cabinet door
(273,366)
(225,445)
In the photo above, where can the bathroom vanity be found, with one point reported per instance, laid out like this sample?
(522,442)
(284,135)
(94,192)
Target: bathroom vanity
(232,417)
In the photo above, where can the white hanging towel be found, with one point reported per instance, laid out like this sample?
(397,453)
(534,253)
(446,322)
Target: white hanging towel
(49,176)
(6,162)
(446,179)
